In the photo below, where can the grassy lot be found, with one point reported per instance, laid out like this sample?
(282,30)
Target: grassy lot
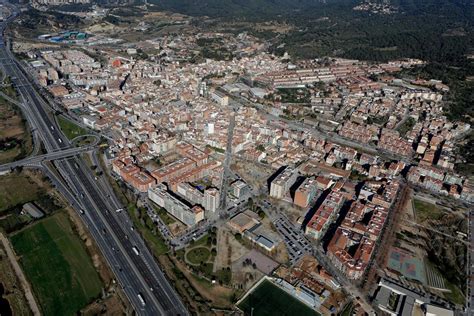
(163,214)
(426,211)
(406,126)
(16,189)
(456,296)
(57,265)
(216,149)
(9,89)
(201,241)
(15,139)
(84,141)
(200,259)
(70,129)
(347,311)
(268,299)
(197,255)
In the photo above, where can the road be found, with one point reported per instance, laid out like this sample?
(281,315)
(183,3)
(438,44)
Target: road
(298,245)
(227,159)
(470,266)
(329,136)
(137,273)
(50,156)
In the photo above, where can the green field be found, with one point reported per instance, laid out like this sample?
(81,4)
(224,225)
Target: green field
(347,311)
(426,211)
(163,214)
(197,255)
(57,265)
(16,189)
(269,300)
(70,129)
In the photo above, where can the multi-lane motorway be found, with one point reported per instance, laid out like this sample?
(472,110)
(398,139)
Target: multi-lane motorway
(147,288)
(50,156)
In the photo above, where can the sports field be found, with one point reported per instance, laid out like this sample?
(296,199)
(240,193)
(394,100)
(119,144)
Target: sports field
(57,265)
(406,264)
(269,300)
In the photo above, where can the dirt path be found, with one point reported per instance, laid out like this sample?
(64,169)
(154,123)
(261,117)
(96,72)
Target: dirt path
(19,273)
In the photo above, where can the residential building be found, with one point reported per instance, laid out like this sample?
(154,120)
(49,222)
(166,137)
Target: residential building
(325,214)
(282,183)
(187,214)
(305,192)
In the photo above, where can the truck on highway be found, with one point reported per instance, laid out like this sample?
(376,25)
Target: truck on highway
(141,299)
(135,250)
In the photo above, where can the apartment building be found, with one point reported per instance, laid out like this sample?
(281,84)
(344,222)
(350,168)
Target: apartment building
(239,188)
(305,192)
(220,98)
(211,199)
(282,183)
(187,214)
(173,170)
(325,215)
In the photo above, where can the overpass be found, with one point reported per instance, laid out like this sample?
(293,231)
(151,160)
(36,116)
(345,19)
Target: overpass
(55,155)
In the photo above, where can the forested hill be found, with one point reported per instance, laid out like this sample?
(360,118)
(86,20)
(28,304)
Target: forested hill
(251,9)
(236,8)
(437,31)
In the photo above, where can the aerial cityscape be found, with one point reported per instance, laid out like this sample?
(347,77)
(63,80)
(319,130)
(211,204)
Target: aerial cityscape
(253,157)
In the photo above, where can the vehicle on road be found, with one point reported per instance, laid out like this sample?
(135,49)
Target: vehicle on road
(136,251)
(142,300)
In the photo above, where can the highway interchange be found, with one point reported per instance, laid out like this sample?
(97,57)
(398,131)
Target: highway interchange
(148,290)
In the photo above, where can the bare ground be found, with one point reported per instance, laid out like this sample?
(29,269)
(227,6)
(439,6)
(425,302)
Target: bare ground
(228,249)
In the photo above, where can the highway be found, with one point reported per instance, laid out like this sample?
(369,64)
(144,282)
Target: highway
(54,155)
(138,274)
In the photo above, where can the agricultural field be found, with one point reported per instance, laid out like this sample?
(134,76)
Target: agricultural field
(17,189)
(57,265)
(268,299)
